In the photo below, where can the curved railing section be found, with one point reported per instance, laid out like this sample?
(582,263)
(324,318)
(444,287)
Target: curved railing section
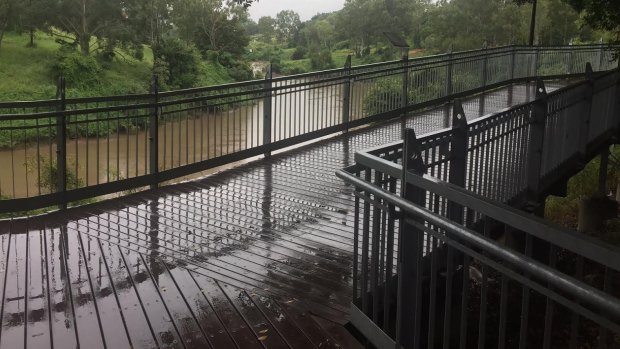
(70,149)
(477,270)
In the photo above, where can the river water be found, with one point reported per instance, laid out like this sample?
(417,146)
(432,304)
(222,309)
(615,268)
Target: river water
(187,137)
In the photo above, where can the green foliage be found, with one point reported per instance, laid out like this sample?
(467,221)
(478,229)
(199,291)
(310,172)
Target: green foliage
(321,59)
(177,62)
(300,53)
(49,174)
(79,70)
(583,184)
(384,95)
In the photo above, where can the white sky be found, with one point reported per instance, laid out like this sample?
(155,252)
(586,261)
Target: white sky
(305,8)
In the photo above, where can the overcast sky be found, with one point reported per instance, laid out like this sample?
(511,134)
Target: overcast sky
(305,8)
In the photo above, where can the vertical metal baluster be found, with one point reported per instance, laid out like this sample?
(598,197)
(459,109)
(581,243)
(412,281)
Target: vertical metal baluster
(525,299)
(154,135)
(374,255)
(356,215)
(604,333)
(575,317)
(365,246)
(389,265)
(483,295)
(267,113)
(61,147)
(550,304)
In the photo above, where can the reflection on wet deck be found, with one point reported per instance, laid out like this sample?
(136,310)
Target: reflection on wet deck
(256,256)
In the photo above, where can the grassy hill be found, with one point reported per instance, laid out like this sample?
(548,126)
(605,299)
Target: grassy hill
(27,73)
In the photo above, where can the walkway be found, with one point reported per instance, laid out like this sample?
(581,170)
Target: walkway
(255,256)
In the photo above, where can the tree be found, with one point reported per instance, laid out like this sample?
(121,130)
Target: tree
(266,27)
(287,23)
(600,14)
(212,25)
(8,10)
(84,20)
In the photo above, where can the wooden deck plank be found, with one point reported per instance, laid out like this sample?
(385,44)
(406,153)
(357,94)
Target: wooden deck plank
(293,336)
(165,330)
(189,331)
(64,333)
(88,324)
(38,334)
(208,320)
(138,325)
(256,321)
(111,316)
(5,246)
(237,327)
(303,321)
(14,303)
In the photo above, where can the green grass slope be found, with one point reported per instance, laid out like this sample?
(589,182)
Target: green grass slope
(27,73)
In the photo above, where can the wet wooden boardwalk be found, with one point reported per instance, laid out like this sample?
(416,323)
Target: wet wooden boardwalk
(258,256)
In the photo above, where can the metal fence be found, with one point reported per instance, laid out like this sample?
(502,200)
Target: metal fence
(443,257)
(69,149)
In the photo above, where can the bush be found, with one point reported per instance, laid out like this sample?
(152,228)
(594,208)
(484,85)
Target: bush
(182,61)
(241,72)
(78,70)
(384,96)
(276,65)
(321,59)
(49,174)
(300,53)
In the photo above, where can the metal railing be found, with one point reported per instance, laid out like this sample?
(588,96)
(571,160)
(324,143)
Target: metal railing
(69,149)
(443,257)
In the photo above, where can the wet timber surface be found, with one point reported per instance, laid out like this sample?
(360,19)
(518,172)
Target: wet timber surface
(258,256)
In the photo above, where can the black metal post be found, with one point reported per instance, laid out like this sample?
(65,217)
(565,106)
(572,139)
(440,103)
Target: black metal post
(602,172)
(601,54)
(267,111)
(154,134)
(571,59)
(485,63)
(449,73)
(513,56)
(404,98)
(410,250)
(61,144)
(458,157)
(536,140)
(584,127)
(346,94)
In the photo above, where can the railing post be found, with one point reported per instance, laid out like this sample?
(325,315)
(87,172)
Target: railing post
(535,148)
(513,56)
(267,112)
(404,98)
(61,144)
(154,134)
(584,127)
(449,73)
(458,157)
(485,63)
(571,58)
(346,91)
(535,65)
(601,55)
(410,250)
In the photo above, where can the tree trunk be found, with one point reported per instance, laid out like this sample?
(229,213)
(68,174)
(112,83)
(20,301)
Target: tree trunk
(84,40)
(84,37)
(1,36)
